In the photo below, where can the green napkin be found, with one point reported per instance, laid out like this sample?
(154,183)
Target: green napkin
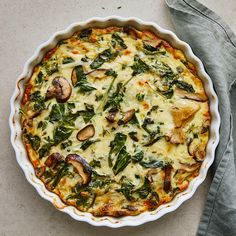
(215,44)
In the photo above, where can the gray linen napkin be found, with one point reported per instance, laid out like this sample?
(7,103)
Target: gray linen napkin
(215,44)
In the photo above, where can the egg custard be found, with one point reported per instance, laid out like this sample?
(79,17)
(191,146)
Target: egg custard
(115,121)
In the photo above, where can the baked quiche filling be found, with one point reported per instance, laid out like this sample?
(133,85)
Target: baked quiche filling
(115,121)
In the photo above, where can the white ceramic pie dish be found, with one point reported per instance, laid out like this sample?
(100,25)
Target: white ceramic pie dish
(26,165)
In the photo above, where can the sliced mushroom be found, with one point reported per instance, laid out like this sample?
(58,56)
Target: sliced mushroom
(39,171)
(132,32)
(127,117)
(74,77)
(153,172)
(111,116)
(167,179)
(81,166)
(153,43)
(53,160)
(86,133)
(33,114)
(60,89)
(197,150)
(190,167)
(198,97)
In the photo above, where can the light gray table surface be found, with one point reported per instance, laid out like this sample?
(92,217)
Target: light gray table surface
(23,26)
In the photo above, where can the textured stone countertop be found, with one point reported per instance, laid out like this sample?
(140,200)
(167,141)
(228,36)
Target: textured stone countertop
(24,25)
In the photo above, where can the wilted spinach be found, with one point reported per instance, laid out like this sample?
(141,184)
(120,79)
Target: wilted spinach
(57,113)
(122,160)
(67,60)
(139,66)
(82,83)
(138,156)
(184,85)
(34,140)
(114,99)
(38,100)
(145,189)
(153,164)
(103,57)
(88,143)
(119,40)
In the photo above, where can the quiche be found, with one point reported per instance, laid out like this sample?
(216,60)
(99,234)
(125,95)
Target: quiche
(115,121)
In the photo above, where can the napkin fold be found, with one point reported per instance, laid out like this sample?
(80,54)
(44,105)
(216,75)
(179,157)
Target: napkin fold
(215,44)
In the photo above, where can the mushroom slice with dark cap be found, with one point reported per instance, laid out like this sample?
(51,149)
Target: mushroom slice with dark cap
(133,33)
(53,160)
(60,89)
(197,150)
(111,116)
(198,97)
(127,117)
(81,166)
(86,133)
(167,179)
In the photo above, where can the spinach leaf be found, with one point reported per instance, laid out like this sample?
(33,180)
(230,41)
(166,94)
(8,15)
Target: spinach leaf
(85,59)
(153,164)
(35,96)
(133,136)
(44,150)
(139,66)
(149,47)
(103,57)
(61,133)
(119,40)
(88,143)
(100,181)
(82,83)
(70,106)
(42,125)
(153,108)
(153,139)
(88,113)
(98,97)
(67,60)
(56,113)
(150,50)
(114,99)
(184,85)
(147,121)
(145,189)
(51,66)
(165,71)
(140,96)
(64,171)
(138,156)
(111,72)
(126,190)
(38,100)
(122,160)
(39,78)
(34,141)
(117,144)
(167,93)
(95,163)
(66,144)
(85,34)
